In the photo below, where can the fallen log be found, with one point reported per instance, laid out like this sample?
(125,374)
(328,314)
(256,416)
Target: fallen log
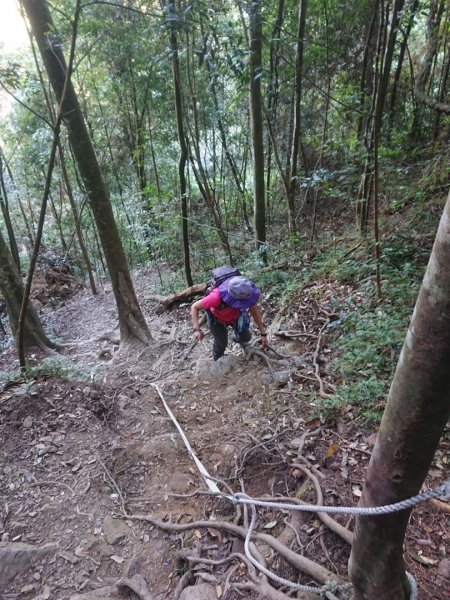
(186,294)
(200,288)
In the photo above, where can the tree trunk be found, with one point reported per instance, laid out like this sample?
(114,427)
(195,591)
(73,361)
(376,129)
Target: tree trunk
(183,146)
(416,413)
(132,323)
(200,171)
(384,58)
(76,217)
(273,90)
(12,290)
(433,39)
(6,217)
(398,70)
(295,144)
(256,120)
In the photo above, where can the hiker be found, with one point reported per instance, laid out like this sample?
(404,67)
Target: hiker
(229,304)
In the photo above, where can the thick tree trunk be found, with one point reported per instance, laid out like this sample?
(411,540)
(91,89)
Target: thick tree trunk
(131,320)
(416,413)
(12,290)
(256,120)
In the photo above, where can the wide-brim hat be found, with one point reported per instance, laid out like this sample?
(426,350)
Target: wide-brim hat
(239,292)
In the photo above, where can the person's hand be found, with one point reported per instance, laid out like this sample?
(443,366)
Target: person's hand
(198,334)
(264,341)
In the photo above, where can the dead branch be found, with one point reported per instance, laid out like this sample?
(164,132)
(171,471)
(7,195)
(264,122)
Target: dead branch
(52,482)
(322,392)
(294,334)
(279,266)
(186,294)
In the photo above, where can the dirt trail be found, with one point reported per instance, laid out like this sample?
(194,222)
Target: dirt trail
(76,452)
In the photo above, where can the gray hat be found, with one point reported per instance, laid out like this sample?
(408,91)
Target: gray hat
(239,292)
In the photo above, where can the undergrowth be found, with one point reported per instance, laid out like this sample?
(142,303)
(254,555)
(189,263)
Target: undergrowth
(368,336)
(50,366)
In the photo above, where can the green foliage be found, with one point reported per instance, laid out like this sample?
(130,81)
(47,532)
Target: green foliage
(368,334)
(51,366)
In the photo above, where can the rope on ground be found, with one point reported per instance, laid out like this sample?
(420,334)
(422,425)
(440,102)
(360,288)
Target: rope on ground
(206,476)
(442,492)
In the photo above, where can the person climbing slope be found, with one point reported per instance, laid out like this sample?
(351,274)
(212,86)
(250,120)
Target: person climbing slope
(230,302)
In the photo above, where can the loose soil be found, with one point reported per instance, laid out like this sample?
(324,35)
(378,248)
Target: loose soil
(81,448)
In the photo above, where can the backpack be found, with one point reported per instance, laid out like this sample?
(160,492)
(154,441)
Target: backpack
(220,275)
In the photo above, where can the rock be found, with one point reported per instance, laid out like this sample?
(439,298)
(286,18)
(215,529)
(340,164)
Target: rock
(180,482)
(16,557)
(131,567)
(226,454)
(299,362)
(16,529)
(209,368)
(115,530)
(281,377)
(27,423)
(69,557)
(204,591)
(443,574)
(104,593)
(44,595)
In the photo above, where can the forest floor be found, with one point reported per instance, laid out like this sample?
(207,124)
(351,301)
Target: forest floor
(92,465)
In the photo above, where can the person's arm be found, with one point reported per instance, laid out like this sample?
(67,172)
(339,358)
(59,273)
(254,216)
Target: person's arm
(254,311)
(195,308)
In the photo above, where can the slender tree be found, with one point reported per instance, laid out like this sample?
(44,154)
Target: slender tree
(416,413)
(256,120)
(132,323)
(172,29)
(292,177)
(432,48)
(12,290)
(4,205)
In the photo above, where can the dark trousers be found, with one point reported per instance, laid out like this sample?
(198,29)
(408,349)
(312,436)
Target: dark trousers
(220,335)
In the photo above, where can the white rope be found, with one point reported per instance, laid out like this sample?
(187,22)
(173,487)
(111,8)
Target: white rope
(206,476)
(327,590)
(441,492)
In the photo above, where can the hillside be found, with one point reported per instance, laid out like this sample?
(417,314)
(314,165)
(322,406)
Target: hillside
(101,497)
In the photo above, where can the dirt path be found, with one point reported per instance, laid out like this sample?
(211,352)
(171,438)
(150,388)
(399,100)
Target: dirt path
(77,451)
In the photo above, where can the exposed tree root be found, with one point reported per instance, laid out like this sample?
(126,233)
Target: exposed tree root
(251,351)
(301,563)
(331,523)
(136,584)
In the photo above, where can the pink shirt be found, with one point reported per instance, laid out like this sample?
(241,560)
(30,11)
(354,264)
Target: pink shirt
(212,301)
